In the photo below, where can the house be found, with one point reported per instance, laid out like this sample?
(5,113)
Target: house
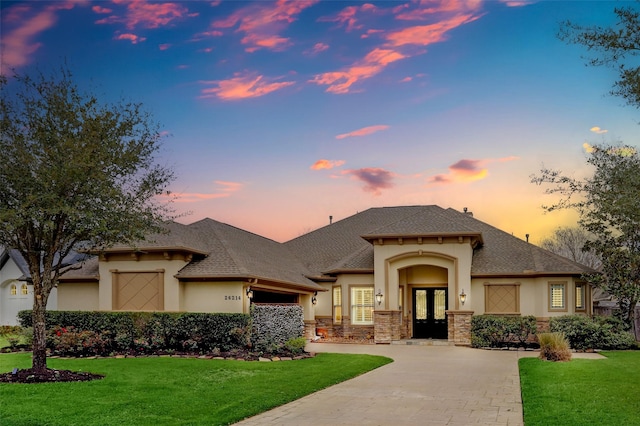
(389,273)
(16,292)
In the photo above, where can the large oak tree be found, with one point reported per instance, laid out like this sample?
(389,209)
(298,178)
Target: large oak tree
(75,173)
(608,203)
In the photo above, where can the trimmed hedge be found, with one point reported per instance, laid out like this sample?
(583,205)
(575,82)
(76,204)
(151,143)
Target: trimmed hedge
(150,331)
(272,326)
(499,331)
(598,332)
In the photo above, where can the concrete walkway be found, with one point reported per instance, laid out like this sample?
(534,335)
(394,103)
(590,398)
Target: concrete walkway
(425,385)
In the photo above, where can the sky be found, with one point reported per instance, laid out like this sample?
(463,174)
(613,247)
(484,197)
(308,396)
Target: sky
(280,114)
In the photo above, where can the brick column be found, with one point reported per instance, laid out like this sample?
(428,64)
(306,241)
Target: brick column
(459,327)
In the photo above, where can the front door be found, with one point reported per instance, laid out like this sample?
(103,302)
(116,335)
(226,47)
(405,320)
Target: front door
(429,316)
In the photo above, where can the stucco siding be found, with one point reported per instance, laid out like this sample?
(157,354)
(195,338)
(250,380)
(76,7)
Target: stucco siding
(78,296)
(212,297)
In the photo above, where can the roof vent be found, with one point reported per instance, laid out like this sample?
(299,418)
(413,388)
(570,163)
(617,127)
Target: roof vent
(330,220)
(466,211)
(527,236)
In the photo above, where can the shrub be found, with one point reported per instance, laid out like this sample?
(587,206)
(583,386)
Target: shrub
(498,330)
(72,342)
(296,346)
(599,332)
(554,347)
(273,325)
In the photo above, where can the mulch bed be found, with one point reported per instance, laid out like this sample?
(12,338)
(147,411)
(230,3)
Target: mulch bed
(47,376)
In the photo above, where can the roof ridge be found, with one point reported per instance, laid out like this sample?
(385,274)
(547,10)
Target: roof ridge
(211,223)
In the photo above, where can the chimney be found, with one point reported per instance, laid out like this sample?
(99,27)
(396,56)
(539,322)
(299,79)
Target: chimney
(330,220)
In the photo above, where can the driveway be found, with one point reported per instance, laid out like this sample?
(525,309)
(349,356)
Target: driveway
(425,385)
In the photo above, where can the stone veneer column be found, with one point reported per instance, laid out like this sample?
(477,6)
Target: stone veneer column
(309,329)
(386,326)
(459,327)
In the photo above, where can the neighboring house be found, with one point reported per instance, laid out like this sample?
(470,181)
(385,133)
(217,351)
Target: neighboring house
(389,273)
(16,292)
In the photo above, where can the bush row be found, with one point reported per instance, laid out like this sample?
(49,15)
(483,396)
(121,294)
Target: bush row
(598,332)
(79,333)
(581,331)
(499,331)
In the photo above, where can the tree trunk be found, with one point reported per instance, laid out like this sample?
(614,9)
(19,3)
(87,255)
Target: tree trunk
(39,334)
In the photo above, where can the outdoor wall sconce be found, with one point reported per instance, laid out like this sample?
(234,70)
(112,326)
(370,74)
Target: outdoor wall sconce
(314,299)
(379,297)
(249,293)
(463,297)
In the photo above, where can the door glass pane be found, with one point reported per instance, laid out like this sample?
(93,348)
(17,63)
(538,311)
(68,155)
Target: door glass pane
(421,304)
(439,304)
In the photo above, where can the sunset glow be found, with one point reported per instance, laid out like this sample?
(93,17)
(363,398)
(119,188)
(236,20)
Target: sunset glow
(278,114)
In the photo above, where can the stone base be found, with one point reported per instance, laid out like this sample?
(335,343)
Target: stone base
(309,329)
(459,327)
(387,327)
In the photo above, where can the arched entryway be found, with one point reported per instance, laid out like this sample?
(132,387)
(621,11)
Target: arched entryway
(427,300)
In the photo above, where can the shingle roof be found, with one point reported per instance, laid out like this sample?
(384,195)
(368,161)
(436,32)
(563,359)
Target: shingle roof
(176,236)
(341,245)
(233,252)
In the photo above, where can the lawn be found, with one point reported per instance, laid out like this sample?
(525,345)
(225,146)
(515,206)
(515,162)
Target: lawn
(170,391)
(582,392)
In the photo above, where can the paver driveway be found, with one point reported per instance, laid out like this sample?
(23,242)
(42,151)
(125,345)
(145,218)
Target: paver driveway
(425,385)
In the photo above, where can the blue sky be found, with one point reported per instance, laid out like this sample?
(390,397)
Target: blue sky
(280,114)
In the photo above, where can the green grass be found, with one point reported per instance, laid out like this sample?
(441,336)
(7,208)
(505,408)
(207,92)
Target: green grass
(170,391)
(582,392)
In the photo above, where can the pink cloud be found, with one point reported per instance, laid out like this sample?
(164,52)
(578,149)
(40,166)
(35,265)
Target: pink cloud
(371,32)
(317,48)
(424,35)
(406,79)
(374,179)
(426,9)
(164,46)
(341,81)
(147,15)
(22,24)
(467,170)
(101,10)
(262,23)
(347,16)
(518,3)
(134,39)
(364,131)
(398,44)
(242,86)
(225,189)
(326,164)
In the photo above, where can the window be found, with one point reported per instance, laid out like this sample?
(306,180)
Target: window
(362,305)
(502,298)
(557,297)
(581,297)
(14,290)
(337,305)
(24,290)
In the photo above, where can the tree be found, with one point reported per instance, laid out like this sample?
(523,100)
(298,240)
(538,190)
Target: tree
(617,48)
(569,242)
(75,174)
(609,207)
